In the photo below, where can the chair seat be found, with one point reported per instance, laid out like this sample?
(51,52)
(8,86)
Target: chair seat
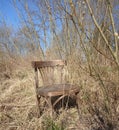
(57,90)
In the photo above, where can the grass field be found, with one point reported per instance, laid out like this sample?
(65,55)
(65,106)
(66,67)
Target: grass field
(18,109)
(98,99)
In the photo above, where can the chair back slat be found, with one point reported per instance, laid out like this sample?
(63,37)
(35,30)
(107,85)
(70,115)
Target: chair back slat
(51,71)
(36,78)
(42,74)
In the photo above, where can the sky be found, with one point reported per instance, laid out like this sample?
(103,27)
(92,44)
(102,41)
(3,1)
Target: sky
(8,13)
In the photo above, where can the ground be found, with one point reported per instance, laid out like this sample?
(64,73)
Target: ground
(18,110)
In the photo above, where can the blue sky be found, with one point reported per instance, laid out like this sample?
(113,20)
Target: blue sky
(8,12)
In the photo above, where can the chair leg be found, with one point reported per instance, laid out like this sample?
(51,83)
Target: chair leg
(77,105)
(50,105)
(38,106)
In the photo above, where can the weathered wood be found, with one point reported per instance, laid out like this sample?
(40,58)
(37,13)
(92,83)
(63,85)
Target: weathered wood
(58,89)
(49,71)
(40,64)
(36,89)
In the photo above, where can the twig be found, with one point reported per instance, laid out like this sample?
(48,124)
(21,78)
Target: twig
(101,32)
(113,27)
(14,105)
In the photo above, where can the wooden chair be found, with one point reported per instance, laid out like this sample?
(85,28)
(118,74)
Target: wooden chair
(51,72)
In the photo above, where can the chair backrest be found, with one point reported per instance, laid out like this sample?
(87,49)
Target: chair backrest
(51,72)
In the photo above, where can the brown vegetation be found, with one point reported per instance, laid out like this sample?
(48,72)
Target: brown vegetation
(84,32)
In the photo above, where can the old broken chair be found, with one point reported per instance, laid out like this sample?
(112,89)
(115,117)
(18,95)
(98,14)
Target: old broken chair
(51,72)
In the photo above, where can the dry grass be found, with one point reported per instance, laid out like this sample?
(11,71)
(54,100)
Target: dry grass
(18,109)
(99,105)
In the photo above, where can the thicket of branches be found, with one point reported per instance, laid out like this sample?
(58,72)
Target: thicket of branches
(85,33)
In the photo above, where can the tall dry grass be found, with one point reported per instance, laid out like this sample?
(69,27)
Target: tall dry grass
(98,99)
